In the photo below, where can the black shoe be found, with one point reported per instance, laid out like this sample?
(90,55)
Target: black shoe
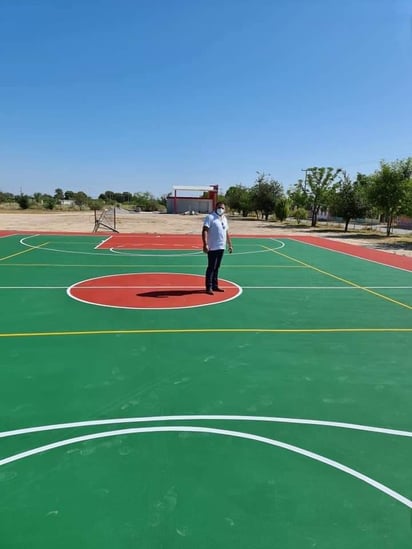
(218,290)
(209,291)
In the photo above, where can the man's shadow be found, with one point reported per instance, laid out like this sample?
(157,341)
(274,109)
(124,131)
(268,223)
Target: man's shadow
(162,294)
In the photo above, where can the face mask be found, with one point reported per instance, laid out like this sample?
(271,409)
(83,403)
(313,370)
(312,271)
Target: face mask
(220,211)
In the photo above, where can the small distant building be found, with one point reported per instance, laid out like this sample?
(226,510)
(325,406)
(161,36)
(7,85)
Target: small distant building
(67,203)
(179,204)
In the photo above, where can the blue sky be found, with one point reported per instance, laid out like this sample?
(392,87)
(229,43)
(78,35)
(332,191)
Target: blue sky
(141,95)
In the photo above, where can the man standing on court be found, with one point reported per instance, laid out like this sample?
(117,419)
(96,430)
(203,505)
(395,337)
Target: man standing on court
(215,236)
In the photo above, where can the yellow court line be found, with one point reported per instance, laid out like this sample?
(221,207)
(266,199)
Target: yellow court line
(213,330)
(24,251)
(344,280)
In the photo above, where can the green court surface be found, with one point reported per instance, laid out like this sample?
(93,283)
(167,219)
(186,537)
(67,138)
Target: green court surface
(279,417)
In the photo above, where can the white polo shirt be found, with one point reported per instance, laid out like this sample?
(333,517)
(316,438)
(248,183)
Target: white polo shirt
(218,227)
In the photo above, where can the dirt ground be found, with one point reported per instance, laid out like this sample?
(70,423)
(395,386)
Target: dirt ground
(83,222)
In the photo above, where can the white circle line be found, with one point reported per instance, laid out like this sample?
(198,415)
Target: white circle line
(236,434)
(191,254)
(75,286)
(207,417)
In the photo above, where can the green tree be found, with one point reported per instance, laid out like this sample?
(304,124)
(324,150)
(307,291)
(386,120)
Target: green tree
(108,197)
(282,209)
(23,201)
(69,195)
(122,197)
(237,199)
(127,197)
(94,204)
(59,194)
(6,197)
(391,189)
(49,202)
(348,200)
(146,201)
(80,199)
(264,194)
(298,197)
(299,214)
(318,184)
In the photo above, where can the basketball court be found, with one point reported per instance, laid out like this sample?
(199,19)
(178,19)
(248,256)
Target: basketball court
(138,411)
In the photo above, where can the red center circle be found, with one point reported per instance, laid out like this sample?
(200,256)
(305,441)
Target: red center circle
(151,291)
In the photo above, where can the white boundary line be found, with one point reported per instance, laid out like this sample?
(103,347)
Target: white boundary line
(236,434)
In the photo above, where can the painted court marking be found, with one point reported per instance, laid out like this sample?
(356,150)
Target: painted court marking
(24,251)
(230,417)
(257,330)
(345,281)
(379,257)
(112,251)
(358,252)
(318,288)
(151,291)
(223,432)
(161,253)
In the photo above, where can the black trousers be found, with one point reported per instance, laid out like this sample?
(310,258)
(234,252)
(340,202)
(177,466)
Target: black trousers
(214,259)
